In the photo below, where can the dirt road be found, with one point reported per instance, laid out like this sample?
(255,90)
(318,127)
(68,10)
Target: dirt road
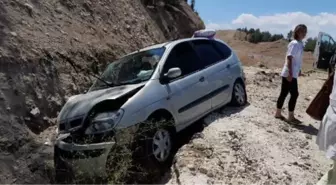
(247,145)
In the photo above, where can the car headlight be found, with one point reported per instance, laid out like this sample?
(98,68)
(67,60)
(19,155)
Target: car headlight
(105,121)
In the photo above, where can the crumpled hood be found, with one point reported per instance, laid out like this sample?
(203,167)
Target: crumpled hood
(79,105)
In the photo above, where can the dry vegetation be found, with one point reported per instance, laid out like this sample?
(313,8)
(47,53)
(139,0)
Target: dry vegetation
(269,54)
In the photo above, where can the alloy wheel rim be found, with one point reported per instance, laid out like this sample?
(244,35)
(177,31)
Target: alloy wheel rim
(161,145)
(240,94)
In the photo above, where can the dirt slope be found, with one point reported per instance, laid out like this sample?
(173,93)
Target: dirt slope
(270,54)
(47,50)
(248,146)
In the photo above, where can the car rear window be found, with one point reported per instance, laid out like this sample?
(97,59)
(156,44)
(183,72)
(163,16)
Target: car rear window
(224,49)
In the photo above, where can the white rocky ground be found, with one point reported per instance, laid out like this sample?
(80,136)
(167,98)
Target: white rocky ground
(249,146)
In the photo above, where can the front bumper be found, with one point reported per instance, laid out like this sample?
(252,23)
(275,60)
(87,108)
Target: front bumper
(81,160)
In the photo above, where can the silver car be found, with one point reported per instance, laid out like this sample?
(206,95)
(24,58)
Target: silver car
(163,88)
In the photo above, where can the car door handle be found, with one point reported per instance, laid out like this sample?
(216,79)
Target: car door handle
(228,66)
(202,79)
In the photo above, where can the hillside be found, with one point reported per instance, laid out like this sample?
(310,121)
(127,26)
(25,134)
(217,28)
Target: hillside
(47,51)
(270,54)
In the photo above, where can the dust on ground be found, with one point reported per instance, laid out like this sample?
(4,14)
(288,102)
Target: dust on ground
(248,145)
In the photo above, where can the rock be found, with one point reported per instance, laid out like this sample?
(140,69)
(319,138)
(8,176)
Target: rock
(304,144)
(194,173)
(262,65)
(30,8)
(203,170)
(309,136)
(128,28)
(305,157)
(210,174)
(263,72)
(191,167)
(198,135)
(14,34)
(63,32)
(58,10)
(308,164)
(286,129)
(35,112)
(48,142)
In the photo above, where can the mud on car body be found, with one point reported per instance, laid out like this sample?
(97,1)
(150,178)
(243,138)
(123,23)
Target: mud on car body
(152,93)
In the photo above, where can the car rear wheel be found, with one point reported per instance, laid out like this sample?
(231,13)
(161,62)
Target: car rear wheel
(239,97)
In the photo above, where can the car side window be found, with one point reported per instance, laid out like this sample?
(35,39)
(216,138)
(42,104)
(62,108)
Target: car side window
(224,49)
(207,52)
(184,57)
(325,43)
(333,44)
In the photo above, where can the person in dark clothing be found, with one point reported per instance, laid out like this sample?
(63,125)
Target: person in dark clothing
(290,72)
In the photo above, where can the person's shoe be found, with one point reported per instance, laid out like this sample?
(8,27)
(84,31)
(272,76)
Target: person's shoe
(293,120)
(278,115)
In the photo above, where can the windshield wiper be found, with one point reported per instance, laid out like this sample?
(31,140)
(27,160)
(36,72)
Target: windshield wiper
(105,82)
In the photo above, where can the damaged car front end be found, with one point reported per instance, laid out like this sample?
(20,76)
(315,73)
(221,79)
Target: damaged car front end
(84,142)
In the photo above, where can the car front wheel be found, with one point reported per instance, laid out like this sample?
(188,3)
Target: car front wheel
(239,97)
(155,141)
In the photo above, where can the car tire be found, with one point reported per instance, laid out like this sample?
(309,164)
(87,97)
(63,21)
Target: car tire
(155,144)
(239,96)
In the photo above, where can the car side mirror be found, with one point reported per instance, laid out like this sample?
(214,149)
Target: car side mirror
(172,73)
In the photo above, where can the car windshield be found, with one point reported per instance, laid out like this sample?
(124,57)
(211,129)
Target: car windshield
(131,69)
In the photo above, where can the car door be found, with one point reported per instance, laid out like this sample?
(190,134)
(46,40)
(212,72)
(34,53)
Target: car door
(324,50)
(186,93)
(216,71)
